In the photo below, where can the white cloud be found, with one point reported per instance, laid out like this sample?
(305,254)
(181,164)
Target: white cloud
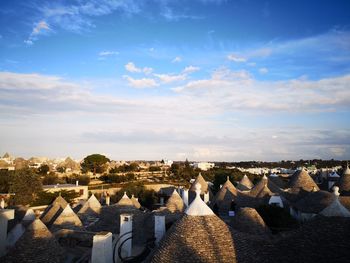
(31,105)
(39,28)
(263,71)
(108,53)
(131,67)
(190,69)
(167,78)
(141,83)
(176,59)
(238,90)
(236,58)
(147,70)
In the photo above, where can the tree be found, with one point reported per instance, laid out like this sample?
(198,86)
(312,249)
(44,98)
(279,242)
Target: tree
(46,198)
(147,198)
(5,177)
(95,163)
(83,179)
(50,178)
(25,184)
(43,169)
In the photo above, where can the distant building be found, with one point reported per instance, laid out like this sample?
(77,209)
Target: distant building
(204,166)
(168,162)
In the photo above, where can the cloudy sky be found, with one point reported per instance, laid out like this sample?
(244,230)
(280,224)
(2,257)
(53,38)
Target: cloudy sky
(202,79)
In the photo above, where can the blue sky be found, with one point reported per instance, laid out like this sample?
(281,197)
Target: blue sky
(202,79)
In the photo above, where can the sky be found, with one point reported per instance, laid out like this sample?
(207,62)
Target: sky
(207,80)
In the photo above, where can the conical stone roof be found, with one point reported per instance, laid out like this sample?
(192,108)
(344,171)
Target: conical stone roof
(67,219)
(175,203)
(249,221)
(204,185)
(37,244)
(92,205)
(335,208)
(125,201)
(264,192)
(227,186)
(314,202)
(53,211)
(135,201)
(245,184)
(197,239)
(301,179)
(60,201)
(259,186)
(344,181)
(198,207)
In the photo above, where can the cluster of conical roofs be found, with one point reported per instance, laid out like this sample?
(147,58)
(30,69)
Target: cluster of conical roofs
(205,228)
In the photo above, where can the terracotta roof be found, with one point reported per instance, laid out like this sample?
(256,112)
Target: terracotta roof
(37,244)
(344,181)
(196,239)
(135,201)
(245,184)
(301,179)
(175,203)
(248,220)
(91,206)
(67,219)
(125,201)
(314,202)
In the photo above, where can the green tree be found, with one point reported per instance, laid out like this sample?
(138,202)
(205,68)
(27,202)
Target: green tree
(95,163)
(5,179)
(43,169)
(25,184)
(83,179)
(46,198)
(50,178)
(147,198)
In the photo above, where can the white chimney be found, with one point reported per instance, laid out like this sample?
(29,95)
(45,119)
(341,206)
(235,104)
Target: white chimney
(2,203)
(159,228)
(77,182)
(336,191)
(102,251)
(125,233)
(185,196)
(206,197)
(5,216)
(108,199)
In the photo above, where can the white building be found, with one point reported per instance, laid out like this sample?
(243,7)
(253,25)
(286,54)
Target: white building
(204,166)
